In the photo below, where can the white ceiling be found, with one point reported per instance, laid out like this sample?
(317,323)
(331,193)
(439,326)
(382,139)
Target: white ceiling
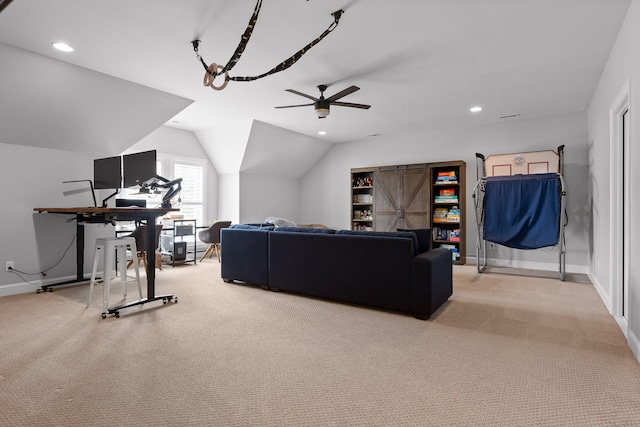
(419,63)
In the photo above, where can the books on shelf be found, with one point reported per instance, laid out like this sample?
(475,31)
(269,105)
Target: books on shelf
(363,198)
(455,253)
(446,177)
(440,214)
(361,227)
(452,235)
(446,215)
(446,195)
(361,215)
(446,199)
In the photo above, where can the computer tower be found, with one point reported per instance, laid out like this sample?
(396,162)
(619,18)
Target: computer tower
(179,251)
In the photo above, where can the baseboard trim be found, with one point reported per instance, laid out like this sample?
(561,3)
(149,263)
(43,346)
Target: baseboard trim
(528,265)
(634,344)
(26,287)
(604,296)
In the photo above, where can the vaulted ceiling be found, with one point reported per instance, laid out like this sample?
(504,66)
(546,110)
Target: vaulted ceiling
(419,63)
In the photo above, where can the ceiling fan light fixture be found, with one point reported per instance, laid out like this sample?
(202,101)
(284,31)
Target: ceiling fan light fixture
(322,112)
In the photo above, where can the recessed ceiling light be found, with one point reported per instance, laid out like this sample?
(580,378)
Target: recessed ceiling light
(322,132)
(62,46)
(475,109)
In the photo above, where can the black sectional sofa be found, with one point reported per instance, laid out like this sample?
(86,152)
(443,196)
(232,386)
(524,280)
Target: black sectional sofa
(394,271)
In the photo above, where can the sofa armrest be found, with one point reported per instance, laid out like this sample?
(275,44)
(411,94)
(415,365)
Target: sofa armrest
(431,281)
(245,255)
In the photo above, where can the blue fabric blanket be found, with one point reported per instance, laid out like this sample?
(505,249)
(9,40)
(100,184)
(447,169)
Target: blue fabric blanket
(522,211)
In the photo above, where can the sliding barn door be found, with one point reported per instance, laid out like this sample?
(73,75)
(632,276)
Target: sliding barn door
(416,198)
(387,199)
(402,198)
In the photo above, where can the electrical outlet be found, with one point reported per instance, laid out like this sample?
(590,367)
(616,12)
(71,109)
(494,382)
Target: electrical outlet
(8,266)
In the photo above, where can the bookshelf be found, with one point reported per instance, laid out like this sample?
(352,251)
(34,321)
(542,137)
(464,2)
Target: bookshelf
(362,195)
(448,208)
(425,195)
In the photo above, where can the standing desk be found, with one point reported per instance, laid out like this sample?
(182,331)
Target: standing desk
(106,216)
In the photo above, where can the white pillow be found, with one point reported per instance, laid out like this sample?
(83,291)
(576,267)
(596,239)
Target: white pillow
(280,222)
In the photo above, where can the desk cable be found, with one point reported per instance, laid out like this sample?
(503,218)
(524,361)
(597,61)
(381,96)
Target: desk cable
(43,272)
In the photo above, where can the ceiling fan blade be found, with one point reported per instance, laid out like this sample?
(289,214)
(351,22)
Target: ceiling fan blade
(292,106)
(4,4)
(350,104)
(302,94)
(343,93)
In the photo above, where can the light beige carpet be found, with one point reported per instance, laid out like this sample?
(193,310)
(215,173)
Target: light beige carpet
(504,351)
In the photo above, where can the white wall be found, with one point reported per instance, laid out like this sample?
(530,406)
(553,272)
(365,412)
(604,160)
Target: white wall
(325,191)
(229,197)
(268,179)
(262,196)
(181,143)
(33,177)
(623,64)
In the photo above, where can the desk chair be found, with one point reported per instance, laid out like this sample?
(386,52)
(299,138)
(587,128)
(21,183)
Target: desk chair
(106,247)
(140,235)
(212,236)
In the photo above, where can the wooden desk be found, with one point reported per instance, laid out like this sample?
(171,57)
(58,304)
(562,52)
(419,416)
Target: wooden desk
(111,215)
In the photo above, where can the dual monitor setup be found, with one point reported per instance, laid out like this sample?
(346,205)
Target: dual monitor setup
(130,170)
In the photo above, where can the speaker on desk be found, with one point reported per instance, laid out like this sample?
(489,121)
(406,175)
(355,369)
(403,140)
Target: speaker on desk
(127,203)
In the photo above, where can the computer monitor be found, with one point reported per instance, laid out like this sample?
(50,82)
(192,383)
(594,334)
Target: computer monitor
(106,173)
(139,167)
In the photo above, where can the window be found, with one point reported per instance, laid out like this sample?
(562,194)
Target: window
(191,199)
(192,194)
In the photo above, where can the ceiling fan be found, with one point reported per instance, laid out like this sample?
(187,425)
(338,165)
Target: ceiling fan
(321,105)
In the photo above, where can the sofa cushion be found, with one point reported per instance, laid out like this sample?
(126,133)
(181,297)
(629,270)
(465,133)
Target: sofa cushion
(404,234)
(306,230)
(424,238)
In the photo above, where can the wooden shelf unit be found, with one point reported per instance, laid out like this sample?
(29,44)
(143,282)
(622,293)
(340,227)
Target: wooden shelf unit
(362,196)
(448,208)
(385,198)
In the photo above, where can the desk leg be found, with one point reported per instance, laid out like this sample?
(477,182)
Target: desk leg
(151,258)
(79,249)
(151,275)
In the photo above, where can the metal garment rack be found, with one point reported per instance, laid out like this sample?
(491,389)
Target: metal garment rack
(526,163)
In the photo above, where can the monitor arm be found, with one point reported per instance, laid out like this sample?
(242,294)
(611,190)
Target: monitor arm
(104,201)
(174,188)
